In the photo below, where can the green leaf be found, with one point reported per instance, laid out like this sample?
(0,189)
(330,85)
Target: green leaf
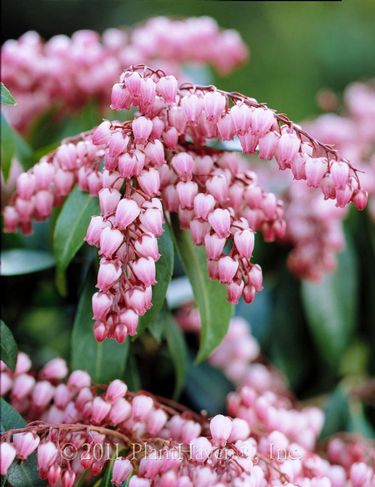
(25,474)
(6,96)
(8,346)
(331,307)
(103,361)
(13,146)
(132,375)
(25,261)
(177,349)
(336,413)
(164,270)
(70,228)
(210,296)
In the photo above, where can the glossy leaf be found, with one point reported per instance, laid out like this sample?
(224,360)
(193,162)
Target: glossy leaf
(164,270)
(177,349)
(6,96)
(71,227)
(103,361)
(25,261)
(210,296)
(331,307)
(13,146)
(336,413)
(8,346)
(25,474)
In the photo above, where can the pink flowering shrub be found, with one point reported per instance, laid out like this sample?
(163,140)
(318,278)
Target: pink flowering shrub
(181,211)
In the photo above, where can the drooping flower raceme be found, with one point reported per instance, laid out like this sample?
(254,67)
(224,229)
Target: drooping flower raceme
(159,162)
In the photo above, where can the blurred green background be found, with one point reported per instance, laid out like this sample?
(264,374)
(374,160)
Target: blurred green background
(297,48)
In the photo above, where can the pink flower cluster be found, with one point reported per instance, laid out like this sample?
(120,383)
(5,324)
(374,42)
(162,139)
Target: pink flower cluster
(265,440)
(68,72)
(158,161)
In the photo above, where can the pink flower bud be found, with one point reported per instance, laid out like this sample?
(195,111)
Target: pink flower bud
(100,409)
(214,246)
(141,407)
(25,444)
(62,396)
(127,211)
(147,92)
(262,120)
(244,242)
(23,363)
(117,144)
(11,219)
(54,369)
(155,153)
(170,138)
(234,291)
(359,199)
(94,230)
(68,478)
(190,430)
(200,449)
(214,105)
(64,181)
(248,142)
(152,221)
(108,275)
(25,185)
(101,304)
(241,118)
(120,97)
(145,271)
(227,269)
(287,149)
(221,428)
(199,230)
(186,192)
(22,386)
(225,128)
(7,455)
(147,246)
(44,173)
(136,481)
(129,318)
(149,181)
(298,166)
(142,128)
(121,470)
(24,209)
(120,411)
(110,241)
(127,165)
(78,380)
(43,203)
(108,200)
(5,383)
(42,394)
(133,84)
(218,187)
(256,277)
(183,164)
(155,421)
(192,107)
(267,145)
(220,221)
(47,454)
(54,474)
(167,88)
(203,205)
(360,474)
(66,156)
(315,169)
(340,173)
(115,390)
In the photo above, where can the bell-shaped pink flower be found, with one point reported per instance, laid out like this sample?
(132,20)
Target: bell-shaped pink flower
(130,318)
(116,389)
(262,120)
(100,409)
(66,155)
(25,185)
(155,153)
(287,149)
(120,411)
(94,230)
(110,241)
(22,386)
(102,133)
(227,269)
(47,454)
(43,203)
(156,421)
(117,144)
(214,104)
(108,200)
(145,271)
(360,198)
(220,221)
(147,246)
(141,407)
(315,169)
(244,242)
(256,277)
(183,164)
(25,444)
(221,428)
(7,455)
(127,211)
(101,304)
(108,275)
(340,173)
(142,128)
(54,369)
(120,97)
(203,205)
(192,107)
(121,470)
(267,145)
(152,221)
(167,88)
(214,246)
(200,449)
(234,291)
(44,173)
(225,127)
(241,118)
(42,394)
(11,219)
(68,478)
(149,181)
(64,181)
(186,192)
(198,231)
(218,187)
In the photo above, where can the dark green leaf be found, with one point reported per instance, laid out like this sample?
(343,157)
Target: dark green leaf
(25,474)
(177,349)
(210,296)
(358,422)
(207,388)
(132,375)
(103,361)
(164,269)
(71,228)
(331,306)
(336,413)
(13,146)
(24,261)
(6,96)
(8,346)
